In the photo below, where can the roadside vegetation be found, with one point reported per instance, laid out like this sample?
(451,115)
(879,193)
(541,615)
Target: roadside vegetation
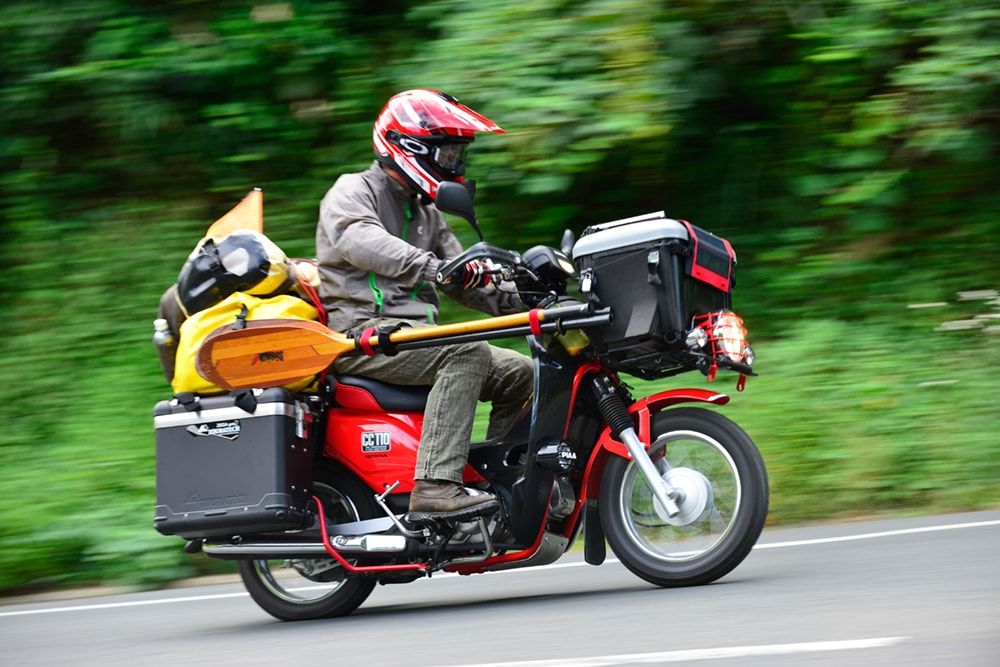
(847,149)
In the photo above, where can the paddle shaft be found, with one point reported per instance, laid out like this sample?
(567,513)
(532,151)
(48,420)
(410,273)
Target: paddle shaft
(598,320)
(494,327)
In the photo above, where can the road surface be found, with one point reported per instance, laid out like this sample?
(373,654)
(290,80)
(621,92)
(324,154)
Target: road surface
(923,591)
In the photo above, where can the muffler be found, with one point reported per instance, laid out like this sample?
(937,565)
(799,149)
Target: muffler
(359,544)
(369,544)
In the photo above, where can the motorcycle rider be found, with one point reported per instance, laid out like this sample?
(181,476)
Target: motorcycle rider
(379,243)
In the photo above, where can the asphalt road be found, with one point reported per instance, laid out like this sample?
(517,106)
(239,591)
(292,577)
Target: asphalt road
(922,591)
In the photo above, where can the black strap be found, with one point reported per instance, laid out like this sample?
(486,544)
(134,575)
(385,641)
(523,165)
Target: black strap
(245,400)
(241,319)
(188,400)
(386,346)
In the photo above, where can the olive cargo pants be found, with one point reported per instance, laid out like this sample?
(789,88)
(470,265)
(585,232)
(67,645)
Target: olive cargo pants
(460,375)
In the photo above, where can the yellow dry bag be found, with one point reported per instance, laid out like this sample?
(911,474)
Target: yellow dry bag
(197,327)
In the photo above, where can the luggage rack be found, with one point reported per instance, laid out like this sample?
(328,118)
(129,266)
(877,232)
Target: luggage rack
(654,365)
(645,217)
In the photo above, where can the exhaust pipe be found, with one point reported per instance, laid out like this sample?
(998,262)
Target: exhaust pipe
(360,544)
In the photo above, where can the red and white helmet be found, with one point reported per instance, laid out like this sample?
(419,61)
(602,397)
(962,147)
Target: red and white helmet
(423,135)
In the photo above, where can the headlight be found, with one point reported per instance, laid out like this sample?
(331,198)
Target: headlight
(730,336)
(723,338)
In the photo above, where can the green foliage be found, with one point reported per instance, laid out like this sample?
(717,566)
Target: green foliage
(847,148)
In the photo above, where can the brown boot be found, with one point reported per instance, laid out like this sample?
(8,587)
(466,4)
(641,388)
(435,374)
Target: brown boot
(441,499)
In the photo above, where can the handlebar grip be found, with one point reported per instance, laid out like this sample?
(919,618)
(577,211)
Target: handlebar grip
(480,250)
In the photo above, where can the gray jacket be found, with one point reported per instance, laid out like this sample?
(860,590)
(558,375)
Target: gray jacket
(378,250)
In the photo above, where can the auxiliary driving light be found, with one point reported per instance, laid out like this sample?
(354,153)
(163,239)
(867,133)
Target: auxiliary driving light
(696,339)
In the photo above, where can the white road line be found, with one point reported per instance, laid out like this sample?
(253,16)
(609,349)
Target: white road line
(700,654)
(871,536)
(130,603)
(554,566)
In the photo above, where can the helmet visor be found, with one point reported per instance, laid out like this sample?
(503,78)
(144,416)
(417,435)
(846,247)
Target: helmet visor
(450,157)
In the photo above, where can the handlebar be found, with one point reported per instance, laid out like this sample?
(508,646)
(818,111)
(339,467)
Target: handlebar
(480,250)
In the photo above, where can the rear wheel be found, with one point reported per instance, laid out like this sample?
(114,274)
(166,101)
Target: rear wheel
(720,473)
(301,589)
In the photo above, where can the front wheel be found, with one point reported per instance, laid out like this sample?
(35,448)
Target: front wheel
(302,589)
(724,494)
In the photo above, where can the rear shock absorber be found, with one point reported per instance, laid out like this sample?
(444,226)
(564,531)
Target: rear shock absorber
(617,415)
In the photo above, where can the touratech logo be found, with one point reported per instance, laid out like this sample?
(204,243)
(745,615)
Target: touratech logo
(218,501)
(376,441)
(225,430)
(274,355)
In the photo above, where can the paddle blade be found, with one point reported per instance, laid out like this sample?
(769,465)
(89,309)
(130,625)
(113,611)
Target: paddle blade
(248,214)
(269,353)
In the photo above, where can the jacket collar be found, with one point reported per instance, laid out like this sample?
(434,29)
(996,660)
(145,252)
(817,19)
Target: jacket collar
(402,192)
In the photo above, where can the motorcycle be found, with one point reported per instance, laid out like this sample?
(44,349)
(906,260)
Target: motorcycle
(679,491)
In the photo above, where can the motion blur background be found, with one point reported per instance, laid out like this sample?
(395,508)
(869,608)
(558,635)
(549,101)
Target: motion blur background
(848,149)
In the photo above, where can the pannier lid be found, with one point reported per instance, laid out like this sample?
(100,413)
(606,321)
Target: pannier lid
(628,232)
(202,403)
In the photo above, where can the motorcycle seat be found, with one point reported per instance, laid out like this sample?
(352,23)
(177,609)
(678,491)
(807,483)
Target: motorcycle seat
(356,392)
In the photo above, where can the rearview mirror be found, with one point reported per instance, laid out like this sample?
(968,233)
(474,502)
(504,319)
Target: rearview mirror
(568,240)
(455,199)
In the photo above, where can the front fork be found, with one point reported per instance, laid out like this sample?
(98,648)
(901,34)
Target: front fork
(617,415)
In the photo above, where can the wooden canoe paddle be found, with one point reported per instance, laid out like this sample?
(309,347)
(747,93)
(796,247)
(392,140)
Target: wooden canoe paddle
(271,353)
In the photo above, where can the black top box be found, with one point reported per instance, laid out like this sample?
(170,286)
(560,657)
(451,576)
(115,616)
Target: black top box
(655,274)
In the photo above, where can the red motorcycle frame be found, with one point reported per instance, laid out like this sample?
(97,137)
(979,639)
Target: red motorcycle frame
(358,412)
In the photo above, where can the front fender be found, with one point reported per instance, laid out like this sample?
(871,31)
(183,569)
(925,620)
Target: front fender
(645,407)
(607,446)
